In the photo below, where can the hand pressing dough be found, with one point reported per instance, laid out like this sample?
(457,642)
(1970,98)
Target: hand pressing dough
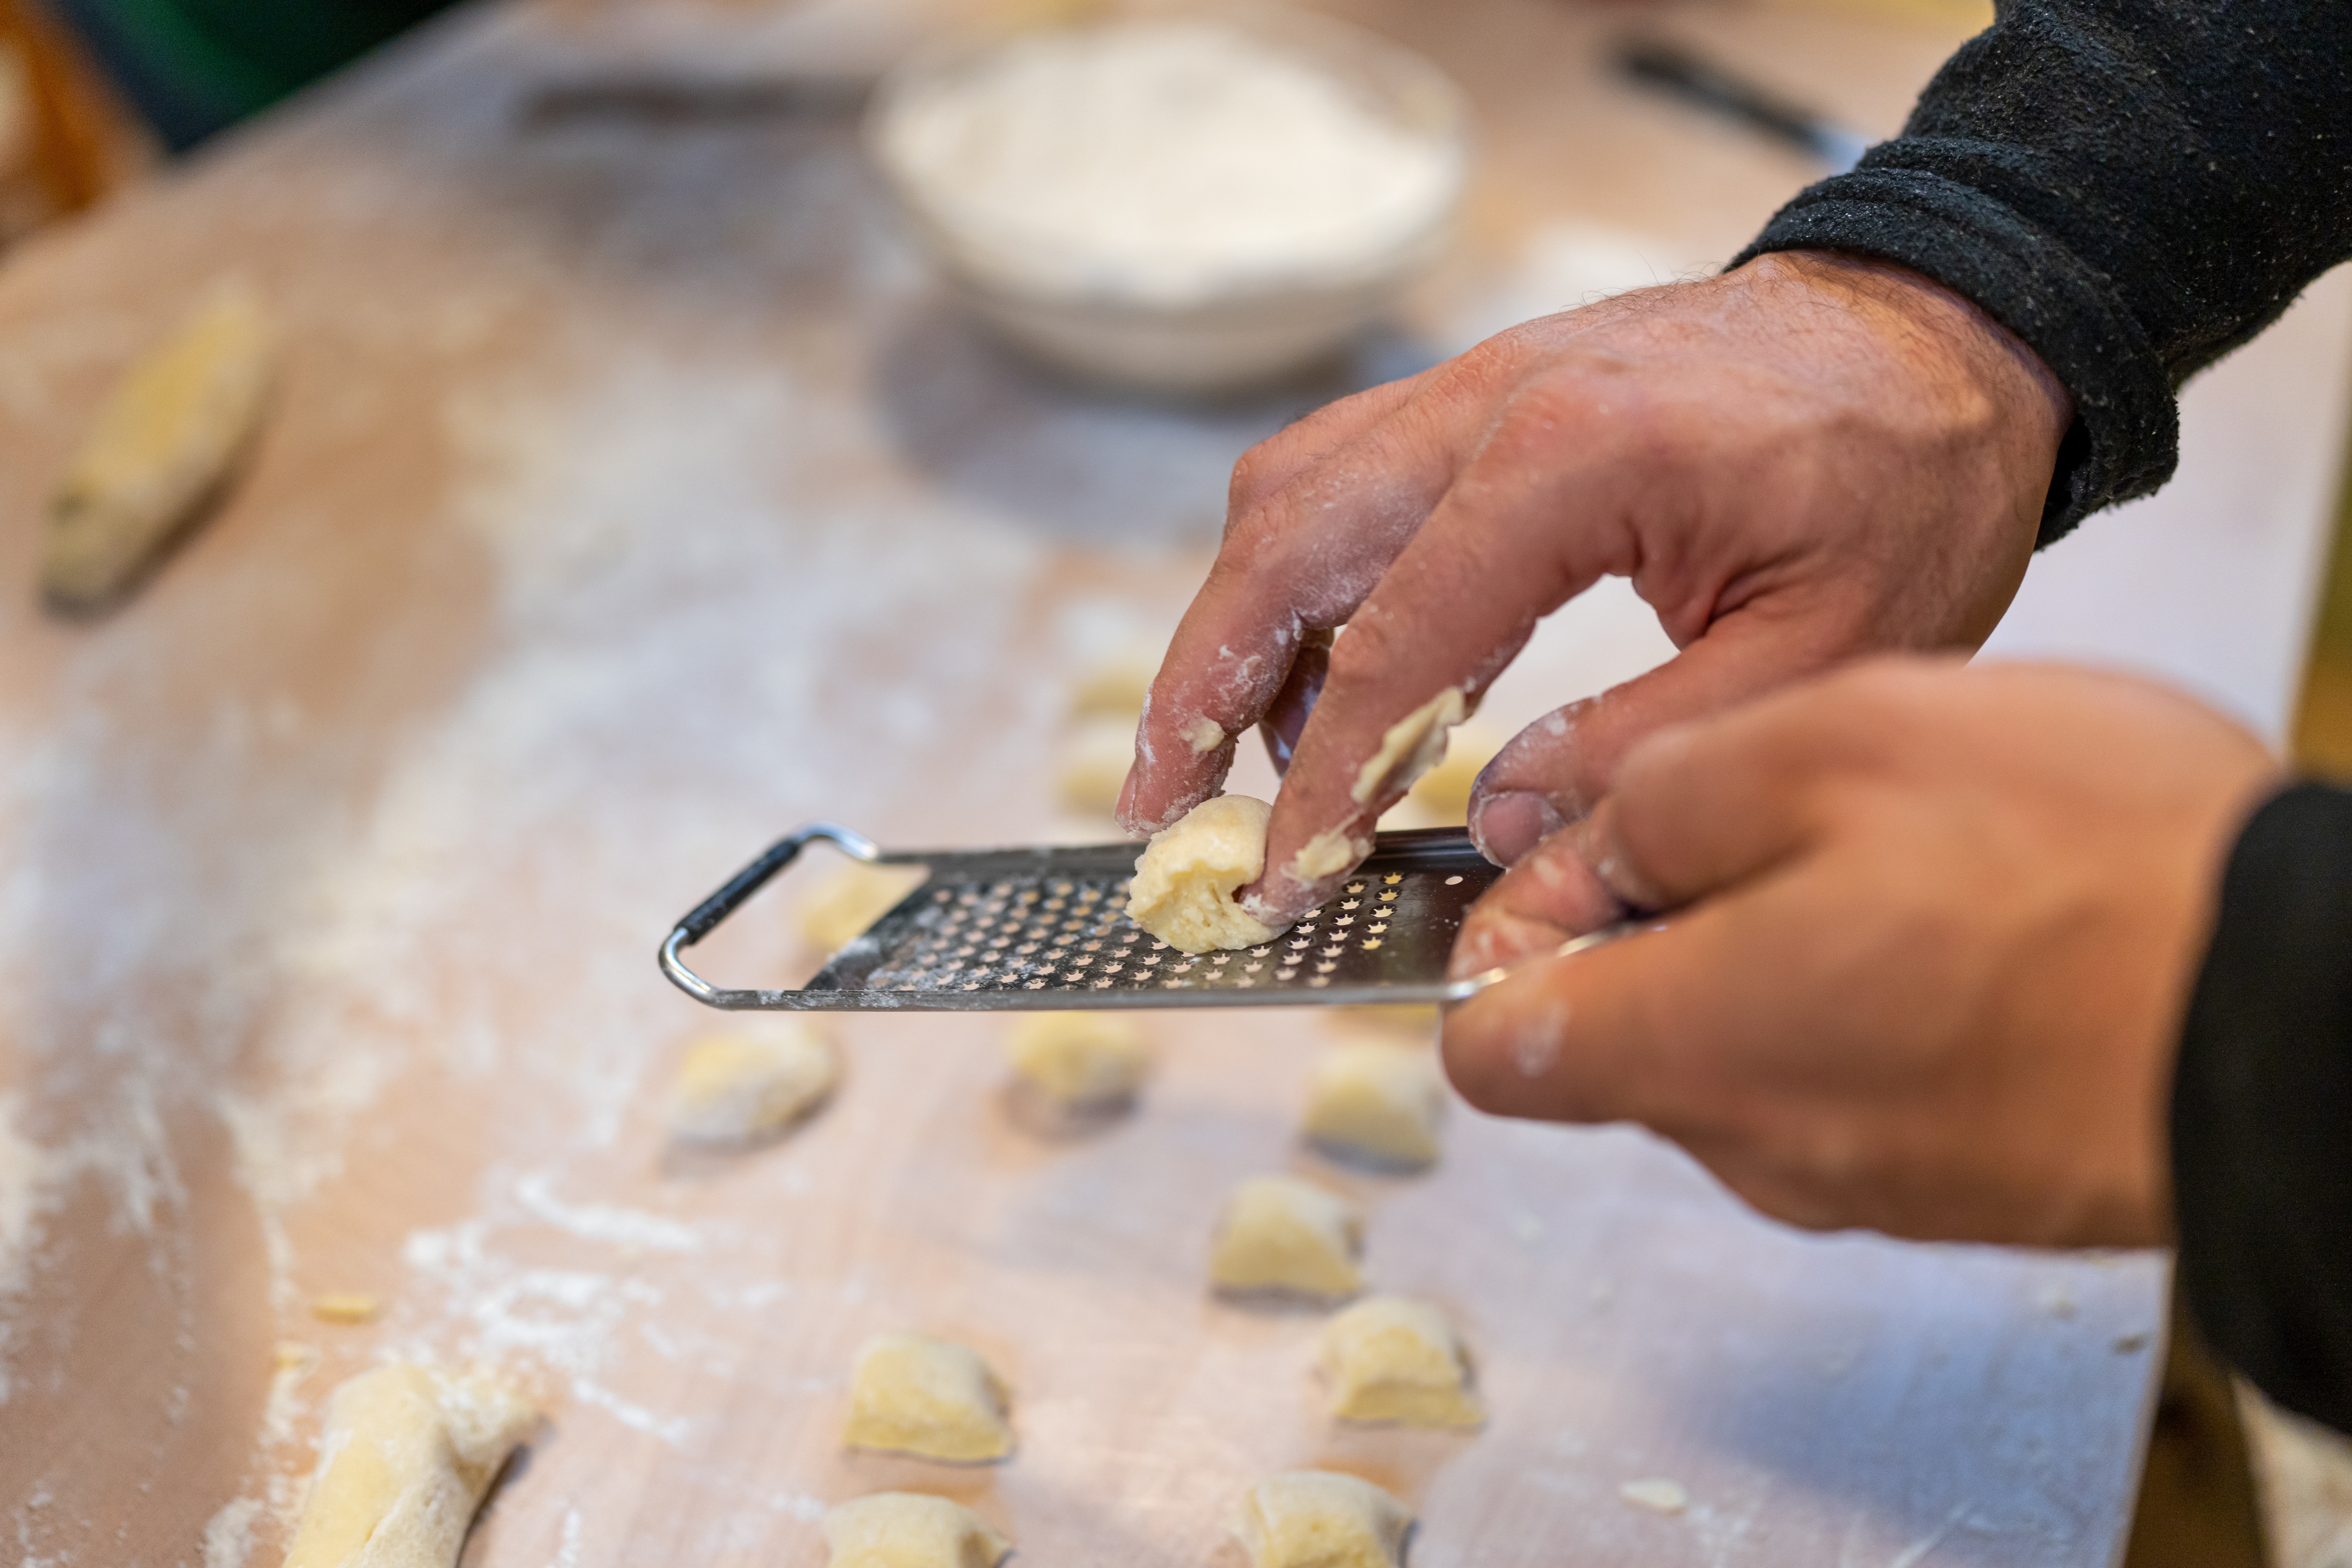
(1079,1059)
(161,450)
(1320,1518)
(1389,1359)
(908,1529)
(1378,1102)
(734,1088)
(407,1456)
(1095,760)
(1280,1234)
(1184,882)
(853,898)
(931,1398)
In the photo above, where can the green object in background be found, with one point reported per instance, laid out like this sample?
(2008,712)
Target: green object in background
(195,67)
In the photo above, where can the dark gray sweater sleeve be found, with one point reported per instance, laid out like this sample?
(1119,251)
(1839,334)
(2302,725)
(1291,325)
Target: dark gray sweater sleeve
(2134,187)
(2261,1110)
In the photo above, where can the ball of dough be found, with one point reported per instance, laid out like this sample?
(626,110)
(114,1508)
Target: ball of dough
(908,1529)
(1079,1059)
(852,898)
(1391,1359)
(1320,1518)
(407,1455)
(1280,1234)
(1184,882)
(932,1398)
(1377,1102)
(735,1087)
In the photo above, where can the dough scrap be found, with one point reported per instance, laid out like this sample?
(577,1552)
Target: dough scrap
(408,1453)
(1392,1359)
(1657,1494)
(1378,1102)
(1184,881)
(1095,760)
(932,1398)
(1412,745)
(857,895)
(1320,1518)
(909,1529)
(734,1088)
(1079,1059)
(160,447)
(346,1307)
(1280,1234)
(1444,791)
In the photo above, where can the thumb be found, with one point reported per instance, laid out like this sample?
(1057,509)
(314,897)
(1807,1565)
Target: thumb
(1556,770)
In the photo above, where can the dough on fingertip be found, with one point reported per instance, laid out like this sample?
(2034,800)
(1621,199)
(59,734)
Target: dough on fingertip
(735,1087)
(407,1456)
(1079,1060)
(1186,878)
(932,1398)
(1321,1518)
(909,1529)
(1278,1234)
(1394,1359)
(1378,1103)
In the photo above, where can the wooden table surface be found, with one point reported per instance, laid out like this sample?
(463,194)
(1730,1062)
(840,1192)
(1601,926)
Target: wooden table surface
(631,497)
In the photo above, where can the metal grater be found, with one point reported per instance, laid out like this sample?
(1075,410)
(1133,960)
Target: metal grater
(1045,929)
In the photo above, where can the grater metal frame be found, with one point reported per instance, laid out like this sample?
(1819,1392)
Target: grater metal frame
(950,944)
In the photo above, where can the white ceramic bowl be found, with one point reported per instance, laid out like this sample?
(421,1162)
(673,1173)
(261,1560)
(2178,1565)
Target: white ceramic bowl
(1216,327)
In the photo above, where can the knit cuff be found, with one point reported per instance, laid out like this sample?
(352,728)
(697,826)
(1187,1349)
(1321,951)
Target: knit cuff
(2261,1110)
(2125,438)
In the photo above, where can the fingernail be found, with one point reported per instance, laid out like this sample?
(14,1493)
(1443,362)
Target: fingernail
(1506,827)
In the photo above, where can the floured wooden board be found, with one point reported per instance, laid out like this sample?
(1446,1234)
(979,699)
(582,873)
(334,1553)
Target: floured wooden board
(629,498)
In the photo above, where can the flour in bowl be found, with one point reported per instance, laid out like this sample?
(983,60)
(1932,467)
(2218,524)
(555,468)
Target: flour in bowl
(1165,160)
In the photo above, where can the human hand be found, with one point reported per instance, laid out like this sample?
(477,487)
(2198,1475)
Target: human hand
(1937,932)
(1808,458)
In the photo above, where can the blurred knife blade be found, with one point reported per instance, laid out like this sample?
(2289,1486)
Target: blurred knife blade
(1671,68)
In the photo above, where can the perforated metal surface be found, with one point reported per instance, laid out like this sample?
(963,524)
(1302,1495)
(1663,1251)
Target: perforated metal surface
(1048,929)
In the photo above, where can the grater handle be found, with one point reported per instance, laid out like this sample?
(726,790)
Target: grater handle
(708,914)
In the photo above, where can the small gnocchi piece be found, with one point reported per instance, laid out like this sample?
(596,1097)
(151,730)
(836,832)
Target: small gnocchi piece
(1391,1359)
(852,898)
(909,1529)
(932,1398)
(735,1087)
(1280,1234)
(168,440)
(1444,791)
(1079,1060)
(408,1453)
(1094,764)
(1321,1518)
(1378,1102)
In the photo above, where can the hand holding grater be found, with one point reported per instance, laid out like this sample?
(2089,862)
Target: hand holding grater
(1045,929)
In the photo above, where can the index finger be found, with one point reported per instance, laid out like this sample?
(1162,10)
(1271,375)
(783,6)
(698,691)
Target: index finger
(1299,554)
